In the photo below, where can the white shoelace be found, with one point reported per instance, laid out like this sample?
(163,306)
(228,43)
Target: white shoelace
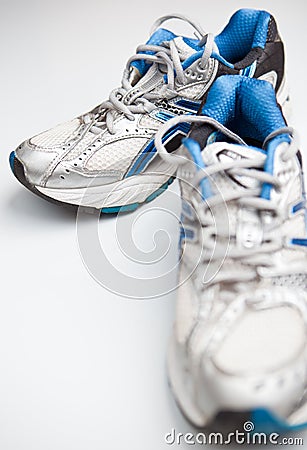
(165,56)
(217,245)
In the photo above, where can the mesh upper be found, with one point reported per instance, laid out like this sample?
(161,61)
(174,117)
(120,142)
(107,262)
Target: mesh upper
(296,280)
(116,156)
(81,146)
(56,136)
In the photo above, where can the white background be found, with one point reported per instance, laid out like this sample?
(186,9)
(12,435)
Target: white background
(81,368)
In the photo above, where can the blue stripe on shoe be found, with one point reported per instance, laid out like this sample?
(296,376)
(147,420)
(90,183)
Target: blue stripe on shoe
(133,206)
(150,150)
(299,241)
(188,104)
(194,149)
(298,206)
(267,422)
(12,158)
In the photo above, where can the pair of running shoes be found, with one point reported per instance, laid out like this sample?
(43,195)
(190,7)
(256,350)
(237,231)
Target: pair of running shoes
(212,111)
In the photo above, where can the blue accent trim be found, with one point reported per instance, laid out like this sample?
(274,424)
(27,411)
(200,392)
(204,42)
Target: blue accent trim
(299,206)
(250,70)
(12,157)
(145,156)
(222,60)
(212,138)
(269,168)
(186,210)
(269,163)
(134,206)
(268,423)
(164,116)
(124,208)
(145,161)
(195,151)
(181,237)
(188,104)
(302,242)
(150,149)
(193,43)
(191,59)
(186,233)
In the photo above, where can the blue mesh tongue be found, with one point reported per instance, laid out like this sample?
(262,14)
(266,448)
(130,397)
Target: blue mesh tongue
(248,107)
(159,36)
(245,105)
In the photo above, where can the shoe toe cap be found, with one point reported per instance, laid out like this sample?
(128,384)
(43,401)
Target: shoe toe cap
(260,363)
(262,341)
(35,162)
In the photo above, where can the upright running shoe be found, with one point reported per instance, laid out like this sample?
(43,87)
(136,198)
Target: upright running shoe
(107,159)
(238,351)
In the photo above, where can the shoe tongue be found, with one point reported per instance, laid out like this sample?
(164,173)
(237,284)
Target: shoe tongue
(231,152)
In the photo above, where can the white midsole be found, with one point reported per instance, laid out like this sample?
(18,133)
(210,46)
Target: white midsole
(135,189)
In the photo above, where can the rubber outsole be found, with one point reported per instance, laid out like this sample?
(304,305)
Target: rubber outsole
(18,171)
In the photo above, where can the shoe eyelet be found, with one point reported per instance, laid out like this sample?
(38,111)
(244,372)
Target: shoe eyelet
(200,67)
(188,72)
(62,176)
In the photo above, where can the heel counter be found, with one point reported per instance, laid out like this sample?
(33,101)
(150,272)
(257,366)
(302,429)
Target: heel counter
(273,56)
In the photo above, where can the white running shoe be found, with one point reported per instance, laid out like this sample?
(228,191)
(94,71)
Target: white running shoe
(238,350)
(106,159)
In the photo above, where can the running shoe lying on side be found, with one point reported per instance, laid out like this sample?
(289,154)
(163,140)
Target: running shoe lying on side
(238,350)
(106,159)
